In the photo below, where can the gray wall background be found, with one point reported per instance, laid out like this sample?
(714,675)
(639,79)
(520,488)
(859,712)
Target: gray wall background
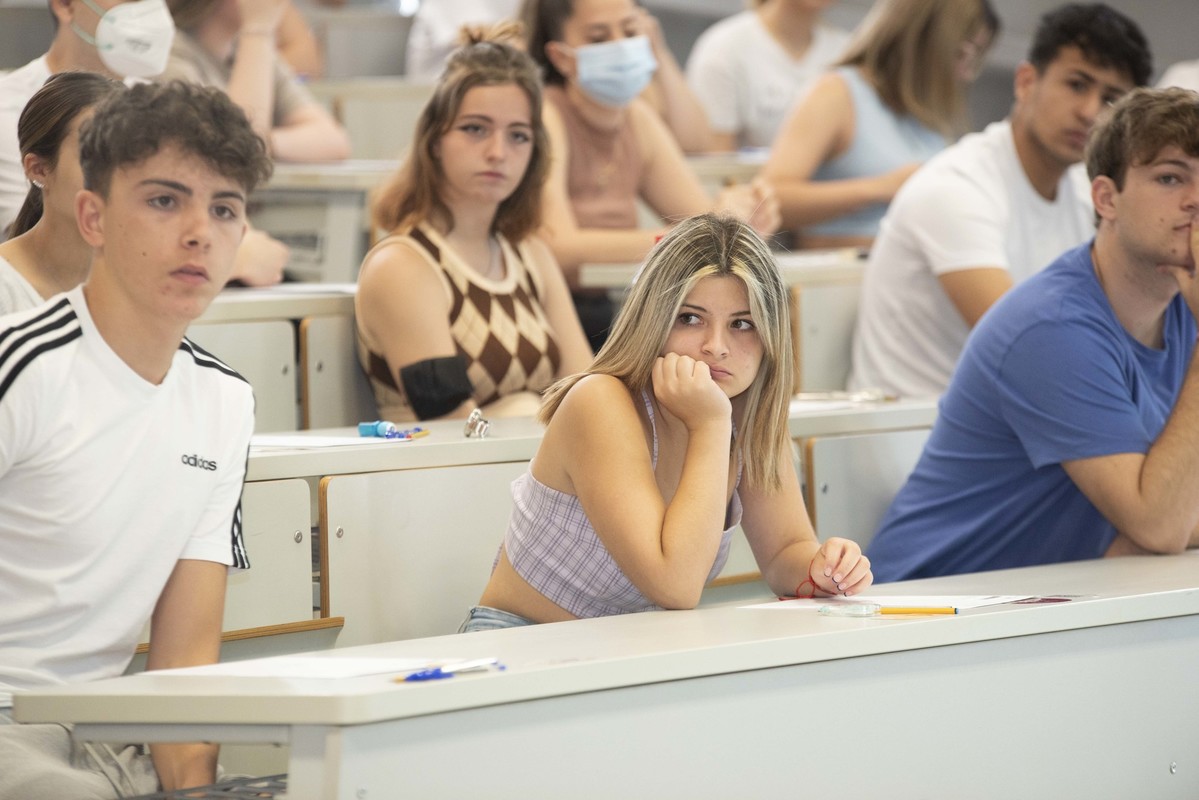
(1171,26)
(366,37)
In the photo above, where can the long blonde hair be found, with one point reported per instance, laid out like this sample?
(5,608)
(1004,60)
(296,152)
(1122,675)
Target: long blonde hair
(909,49)
(702,246)
(413,193)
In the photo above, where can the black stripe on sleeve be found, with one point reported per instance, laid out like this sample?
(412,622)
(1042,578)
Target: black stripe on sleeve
(204,358)
(29,323)
(26,332)
(69,336)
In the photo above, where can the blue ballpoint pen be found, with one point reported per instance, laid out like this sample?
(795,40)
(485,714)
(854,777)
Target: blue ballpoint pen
(450,670)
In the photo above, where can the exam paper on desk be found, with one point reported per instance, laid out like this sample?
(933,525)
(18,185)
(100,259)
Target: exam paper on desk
(907,601)
(299,666)
(284,441)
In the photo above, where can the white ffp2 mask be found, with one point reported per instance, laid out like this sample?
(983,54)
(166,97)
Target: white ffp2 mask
(133,39)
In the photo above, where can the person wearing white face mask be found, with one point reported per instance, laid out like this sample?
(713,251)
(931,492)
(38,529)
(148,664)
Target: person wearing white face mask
(128,39)
(610,149)
(134,39)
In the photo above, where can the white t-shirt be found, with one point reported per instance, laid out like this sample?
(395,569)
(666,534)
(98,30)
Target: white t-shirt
(16,293)
(15,90)
(970,206)
(435,28)
(106,481)
(1184,74)
(747,82)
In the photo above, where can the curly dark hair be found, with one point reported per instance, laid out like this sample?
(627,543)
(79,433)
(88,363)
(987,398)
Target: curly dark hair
(132,126)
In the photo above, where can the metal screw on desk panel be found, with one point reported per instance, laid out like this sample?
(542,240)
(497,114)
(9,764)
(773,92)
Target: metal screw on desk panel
(1173,767)
(285,368)
(361,793)
(340,532)
(299,537)
(824,488)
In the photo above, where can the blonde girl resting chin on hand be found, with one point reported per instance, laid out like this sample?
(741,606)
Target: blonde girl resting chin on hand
(676,434)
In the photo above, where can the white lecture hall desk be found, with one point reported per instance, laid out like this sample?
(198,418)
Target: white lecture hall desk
(517,438)
(1092,698)
(408,531)
(254,331)
(798,268)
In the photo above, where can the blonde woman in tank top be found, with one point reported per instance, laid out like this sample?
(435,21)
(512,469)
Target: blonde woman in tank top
(461,305)
(676,433)
(895,98)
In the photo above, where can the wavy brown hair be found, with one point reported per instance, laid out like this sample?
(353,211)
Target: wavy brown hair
(489,57)
(133,125)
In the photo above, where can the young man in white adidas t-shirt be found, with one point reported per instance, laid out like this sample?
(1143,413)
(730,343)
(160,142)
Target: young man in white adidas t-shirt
(122,445)
(994,208)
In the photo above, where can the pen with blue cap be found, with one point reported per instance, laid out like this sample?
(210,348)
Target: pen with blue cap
(388,430)
(450,670)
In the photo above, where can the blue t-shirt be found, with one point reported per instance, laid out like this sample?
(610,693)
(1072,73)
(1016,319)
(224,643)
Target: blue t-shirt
(1049,375)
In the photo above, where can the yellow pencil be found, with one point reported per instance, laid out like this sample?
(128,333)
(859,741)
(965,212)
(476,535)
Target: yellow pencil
(917,610)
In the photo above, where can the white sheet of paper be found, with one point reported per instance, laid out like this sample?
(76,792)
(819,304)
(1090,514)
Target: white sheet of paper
(910,601)
(308,667)
(295,441)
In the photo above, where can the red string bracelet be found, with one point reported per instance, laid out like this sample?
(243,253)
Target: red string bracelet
(799,590)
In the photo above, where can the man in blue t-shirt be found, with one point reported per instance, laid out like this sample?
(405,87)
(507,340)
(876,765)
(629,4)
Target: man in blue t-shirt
(1070,429)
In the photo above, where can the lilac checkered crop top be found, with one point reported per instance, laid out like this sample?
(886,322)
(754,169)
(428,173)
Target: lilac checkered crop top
(552,545)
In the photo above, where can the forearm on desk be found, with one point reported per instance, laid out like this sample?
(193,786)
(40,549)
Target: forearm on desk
(598,245)
(806,202)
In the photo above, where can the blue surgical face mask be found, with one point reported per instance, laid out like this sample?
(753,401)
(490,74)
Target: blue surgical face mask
(615,72)
(134,39)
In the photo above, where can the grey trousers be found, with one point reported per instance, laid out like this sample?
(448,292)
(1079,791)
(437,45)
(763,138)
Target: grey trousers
(46,762)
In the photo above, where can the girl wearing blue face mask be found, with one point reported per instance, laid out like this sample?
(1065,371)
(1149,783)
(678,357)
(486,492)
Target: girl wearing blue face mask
(610,149)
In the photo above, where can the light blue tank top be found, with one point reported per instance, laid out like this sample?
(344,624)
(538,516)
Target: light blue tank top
(882,141)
